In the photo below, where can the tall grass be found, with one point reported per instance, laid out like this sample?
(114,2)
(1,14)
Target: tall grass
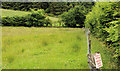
(47,48)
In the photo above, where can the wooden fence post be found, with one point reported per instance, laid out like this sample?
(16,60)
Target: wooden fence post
(88,48)
(90,56)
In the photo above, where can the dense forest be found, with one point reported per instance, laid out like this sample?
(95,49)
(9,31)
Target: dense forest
(55,8)
(103,19)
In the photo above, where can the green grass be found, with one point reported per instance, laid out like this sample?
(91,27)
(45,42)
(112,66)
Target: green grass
(54,21)
(6,12)
(53,18)
(48,48)
(106,53)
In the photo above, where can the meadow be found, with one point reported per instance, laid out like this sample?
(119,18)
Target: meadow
(11,13)
(48,48)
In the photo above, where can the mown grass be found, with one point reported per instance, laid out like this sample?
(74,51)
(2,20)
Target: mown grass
(48,48)
(11,13)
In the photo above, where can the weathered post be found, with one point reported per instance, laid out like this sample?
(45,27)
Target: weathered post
(88,52)
(94,60)
(88,47)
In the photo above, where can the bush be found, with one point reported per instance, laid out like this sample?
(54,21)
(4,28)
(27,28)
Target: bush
(36,19)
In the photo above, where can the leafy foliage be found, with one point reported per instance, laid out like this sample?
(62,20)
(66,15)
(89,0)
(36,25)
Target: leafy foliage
(57,8)
(75,16)
(103,21)
(25,6)
(113,31)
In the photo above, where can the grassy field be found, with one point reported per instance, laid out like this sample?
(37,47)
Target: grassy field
(10,13)
(48,48)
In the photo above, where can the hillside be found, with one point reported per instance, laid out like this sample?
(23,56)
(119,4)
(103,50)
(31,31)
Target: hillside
(6,12)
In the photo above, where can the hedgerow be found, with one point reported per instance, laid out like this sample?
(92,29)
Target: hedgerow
(36,19)
(103,22)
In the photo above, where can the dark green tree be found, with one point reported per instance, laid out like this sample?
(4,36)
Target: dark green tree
(75,17)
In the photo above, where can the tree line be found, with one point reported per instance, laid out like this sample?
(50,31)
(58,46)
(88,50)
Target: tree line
(55,8)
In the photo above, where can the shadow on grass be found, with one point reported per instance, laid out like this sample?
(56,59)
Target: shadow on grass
(44,43)
(10,59)
(75,48)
